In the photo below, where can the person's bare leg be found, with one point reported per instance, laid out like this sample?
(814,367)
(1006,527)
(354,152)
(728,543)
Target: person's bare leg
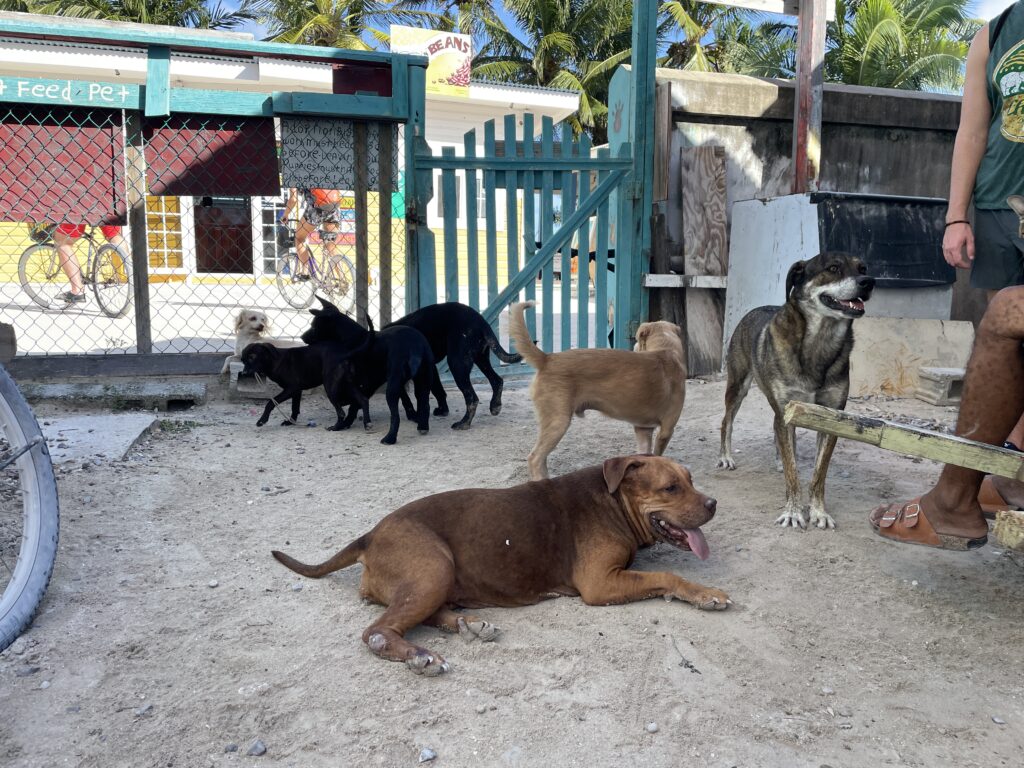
(992,403)
(302,233)
(69,261)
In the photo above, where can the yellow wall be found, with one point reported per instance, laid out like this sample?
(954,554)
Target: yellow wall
(463,240)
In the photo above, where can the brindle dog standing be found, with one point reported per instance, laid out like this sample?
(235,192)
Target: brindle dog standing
(801,352)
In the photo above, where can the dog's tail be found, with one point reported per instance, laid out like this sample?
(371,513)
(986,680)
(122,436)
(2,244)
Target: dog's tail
(343,559)
(498,350)
(519,333)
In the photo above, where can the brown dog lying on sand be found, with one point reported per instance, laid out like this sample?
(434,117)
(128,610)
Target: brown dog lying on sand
(645,388)
(575,535)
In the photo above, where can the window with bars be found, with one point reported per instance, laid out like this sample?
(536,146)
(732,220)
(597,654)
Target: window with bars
(163,231)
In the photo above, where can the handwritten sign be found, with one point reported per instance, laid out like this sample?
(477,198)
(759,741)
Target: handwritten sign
(320,153)
(69,92)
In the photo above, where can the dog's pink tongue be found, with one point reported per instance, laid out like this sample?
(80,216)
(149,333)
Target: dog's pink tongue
(697,542)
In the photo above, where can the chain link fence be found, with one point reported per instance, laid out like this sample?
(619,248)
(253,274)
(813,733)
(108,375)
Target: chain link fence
(121,233)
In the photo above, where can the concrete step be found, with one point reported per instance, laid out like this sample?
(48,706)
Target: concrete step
(939,386)
(147,394)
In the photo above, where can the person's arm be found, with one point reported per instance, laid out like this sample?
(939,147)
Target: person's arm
(968,150)
(293,195)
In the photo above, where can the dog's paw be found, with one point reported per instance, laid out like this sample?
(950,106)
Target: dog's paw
(287,423)
(461,425)
(792,517)
(388,440)
(427,664)
(478,629)
(821,519)
(423,430)
(710,599)
(439,411)
(368,426)
(411,415)
(726,462)
(339,427)
(495,409)
(261,422)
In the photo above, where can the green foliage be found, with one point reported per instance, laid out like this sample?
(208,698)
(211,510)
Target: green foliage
(911,44)
(569,44)
(175,13)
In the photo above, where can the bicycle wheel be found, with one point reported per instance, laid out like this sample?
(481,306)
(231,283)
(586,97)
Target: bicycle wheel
(294,281)
(340,283)
(29,513)
(40,274)
(112,281)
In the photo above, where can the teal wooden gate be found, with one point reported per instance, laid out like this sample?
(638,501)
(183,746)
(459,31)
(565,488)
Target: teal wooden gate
(556,195)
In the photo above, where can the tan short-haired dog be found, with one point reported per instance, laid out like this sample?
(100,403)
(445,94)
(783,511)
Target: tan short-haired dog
(646,387)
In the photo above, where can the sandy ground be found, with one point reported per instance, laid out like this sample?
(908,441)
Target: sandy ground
(168,634)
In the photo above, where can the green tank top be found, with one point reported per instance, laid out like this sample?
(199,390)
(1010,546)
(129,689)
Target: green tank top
(1002,168)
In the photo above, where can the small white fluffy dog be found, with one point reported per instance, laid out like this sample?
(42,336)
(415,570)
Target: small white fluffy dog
(252,325)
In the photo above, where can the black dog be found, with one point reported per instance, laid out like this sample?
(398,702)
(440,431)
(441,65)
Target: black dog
(461,334)
(799,351)
(393,356)
(297,368)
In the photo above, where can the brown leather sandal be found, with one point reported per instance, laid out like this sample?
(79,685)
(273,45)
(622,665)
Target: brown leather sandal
(906,524)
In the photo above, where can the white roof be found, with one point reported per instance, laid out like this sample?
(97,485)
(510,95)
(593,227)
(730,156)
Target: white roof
(448,117)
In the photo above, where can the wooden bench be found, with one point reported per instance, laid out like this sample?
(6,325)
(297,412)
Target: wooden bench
(913,441)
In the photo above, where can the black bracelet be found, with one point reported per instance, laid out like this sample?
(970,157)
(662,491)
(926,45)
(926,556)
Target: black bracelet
(958,221)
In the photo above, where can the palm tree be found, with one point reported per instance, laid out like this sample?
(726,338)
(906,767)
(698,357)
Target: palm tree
(764,50)
(698,48)
(468,17)
(176,13)
(911,44)
(570,44)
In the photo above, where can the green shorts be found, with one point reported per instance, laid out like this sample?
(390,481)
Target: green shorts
(998,250)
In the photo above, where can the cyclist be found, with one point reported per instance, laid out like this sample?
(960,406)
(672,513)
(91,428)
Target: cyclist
(64,237)
(321,211)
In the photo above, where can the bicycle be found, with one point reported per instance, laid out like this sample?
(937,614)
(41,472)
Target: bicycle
(332,276)
(107,271)
(29,513)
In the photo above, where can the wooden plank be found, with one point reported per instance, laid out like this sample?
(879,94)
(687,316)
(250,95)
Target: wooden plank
(547,227)
(601,264)
(663,130)
(909,441)
(529,223)
(450,212)
(491,216)
(135,183)
(583,259)
(705,252)
(568,208)
(158,81)
(685,281)
(669,305)
(511,208)
(81,93)
(420,265)
(361,152)
(472,244)
(385,188)
(809,93)
(512,163)
(783,7)
(135,364)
